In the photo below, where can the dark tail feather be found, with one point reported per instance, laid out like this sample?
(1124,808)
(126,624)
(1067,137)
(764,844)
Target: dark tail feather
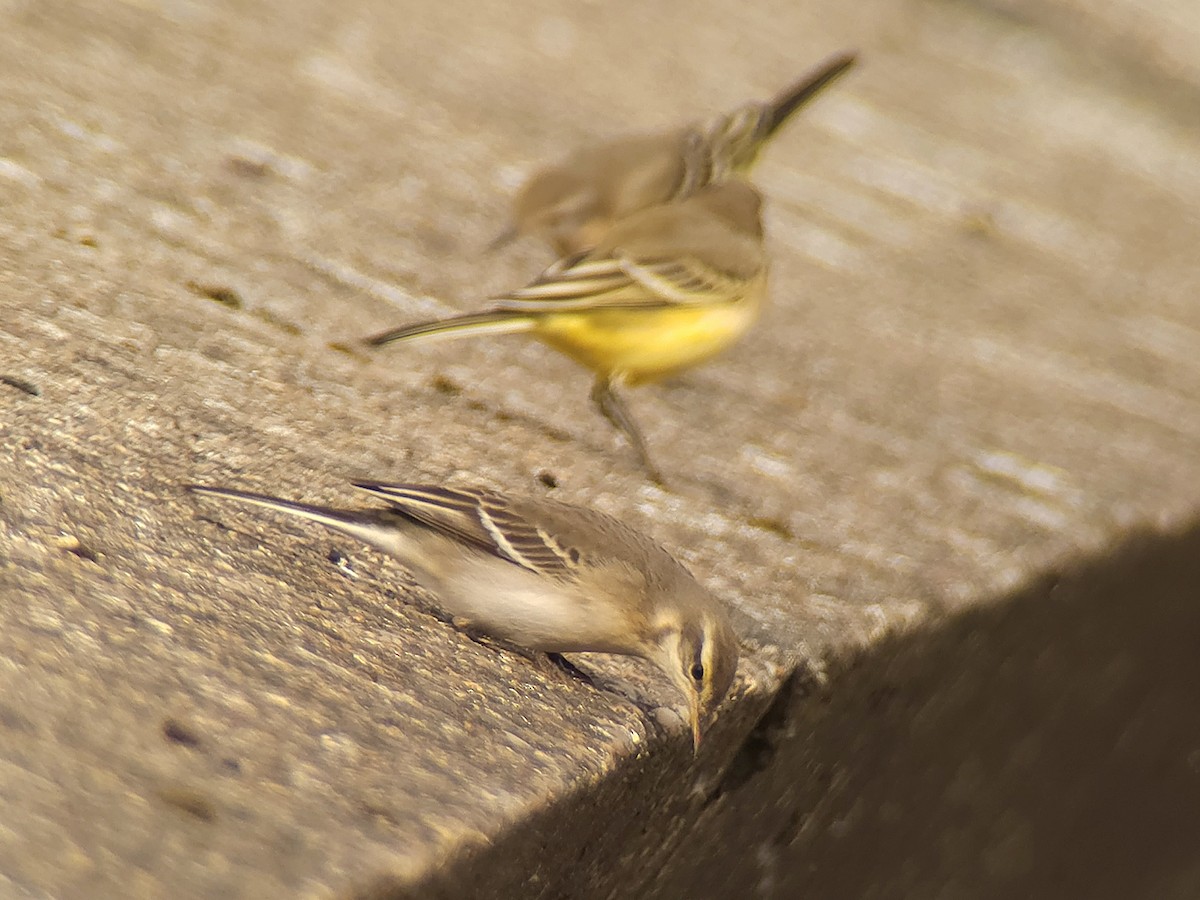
(372,526)
(799,93)
(323,514)
(499,321)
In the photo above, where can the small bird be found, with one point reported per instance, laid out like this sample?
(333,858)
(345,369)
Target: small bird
(547,576)
(574,203)
(668,288)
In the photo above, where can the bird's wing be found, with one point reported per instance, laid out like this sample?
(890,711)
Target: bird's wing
(686,281)
(619,281)
(481,519)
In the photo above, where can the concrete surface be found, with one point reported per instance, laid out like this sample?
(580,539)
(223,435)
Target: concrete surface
(980,372)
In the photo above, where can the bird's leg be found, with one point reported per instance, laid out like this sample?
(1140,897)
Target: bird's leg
(542,661)
(571,669)
(611,407)
(647,709)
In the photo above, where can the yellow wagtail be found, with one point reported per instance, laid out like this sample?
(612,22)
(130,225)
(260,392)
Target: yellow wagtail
(668,288)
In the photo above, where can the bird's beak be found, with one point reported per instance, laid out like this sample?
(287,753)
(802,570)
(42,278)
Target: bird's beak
(697,717)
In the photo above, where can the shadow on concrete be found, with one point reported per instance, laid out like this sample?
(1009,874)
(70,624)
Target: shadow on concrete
(1045,746)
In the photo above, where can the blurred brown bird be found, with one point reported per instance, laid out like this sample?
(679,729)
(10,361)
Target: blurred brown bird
(573,204)
(546,576)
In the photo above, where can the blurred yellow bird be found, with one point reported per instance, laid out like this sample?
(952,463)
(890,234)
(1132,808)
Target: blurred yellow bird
(574,203)
(667,288)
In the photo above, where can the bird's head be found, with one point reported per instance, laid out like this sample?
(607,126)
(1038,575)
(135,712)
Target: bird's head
(700,656)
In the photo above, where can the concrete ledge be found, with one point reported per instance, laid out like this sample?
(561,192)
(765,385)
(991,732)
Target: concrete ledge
(980,366)
(1038,747)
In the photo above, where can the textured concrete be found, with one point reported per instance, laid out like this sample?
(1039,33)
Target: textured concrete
(981,366)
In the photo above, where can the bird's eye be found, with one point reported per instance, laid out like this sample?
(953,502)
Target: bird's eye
(698,672)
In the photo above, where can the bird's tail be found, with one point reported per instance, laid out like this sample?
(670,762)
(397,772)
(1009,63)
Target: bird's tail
(733,141)
(374,527)
(780,109)
(500,321)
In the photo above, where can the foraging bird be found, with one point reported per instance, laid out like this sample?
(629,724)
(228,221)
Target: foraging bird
(546,576)
(574,203)
(668,288)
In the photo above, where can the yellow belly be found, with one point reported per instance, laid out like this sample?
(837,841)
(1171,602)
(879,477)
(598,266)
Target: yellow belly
(640,345)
